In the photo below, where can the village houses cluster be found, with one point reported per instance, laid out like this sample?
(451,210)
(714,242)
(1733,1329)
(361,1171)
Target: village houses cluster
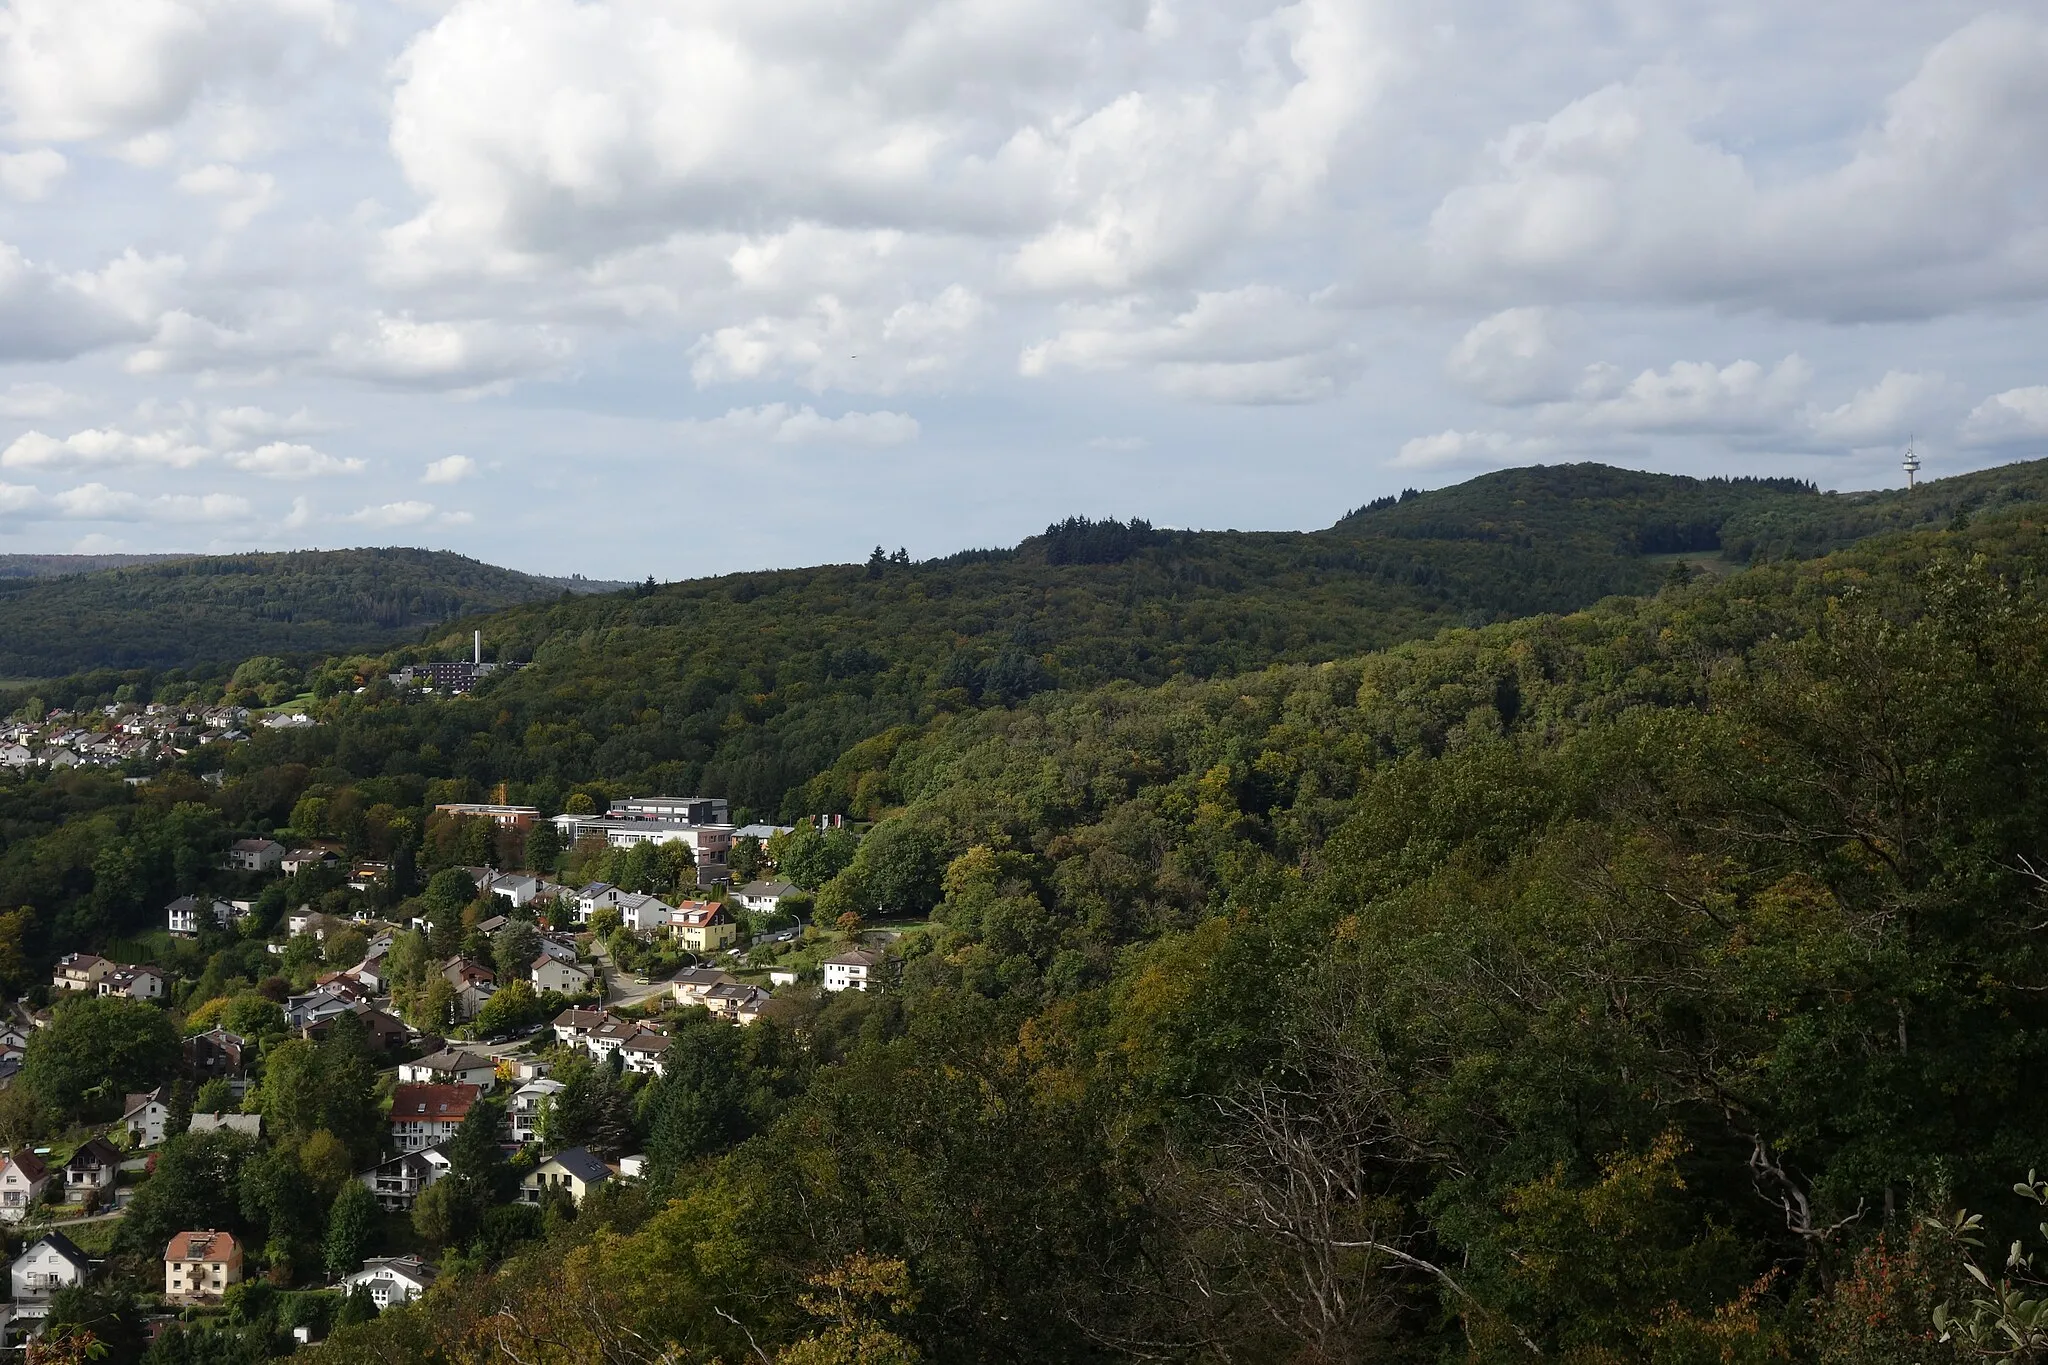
(115,735)
(437,1081)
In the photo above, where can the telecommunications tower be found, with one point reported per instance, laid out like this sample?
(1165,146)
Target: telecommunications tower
(1912,465)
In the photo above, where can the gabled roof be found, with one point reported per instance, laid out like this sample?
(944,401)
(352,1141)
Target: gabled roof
(449,1059)
(648,1042)
(94,1151)
(777,889)
(27,1162)
(706,977)
(130,1104)
(421,1103)
(251,1124)
(402,1267)
(63,1246)
(201,1246)
(462,971)
(578,1161)
(857,957)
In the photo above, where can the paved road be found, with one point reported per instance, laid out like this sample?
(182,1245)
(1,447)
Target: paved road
(619,988)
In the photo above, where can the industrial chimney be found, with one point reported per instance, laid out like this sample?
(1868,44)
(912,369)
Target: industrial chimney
(479,648)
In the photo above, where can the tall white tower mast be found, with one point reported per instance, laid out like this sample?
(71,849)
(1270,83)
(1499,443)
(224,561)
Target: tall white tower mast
(1912,464)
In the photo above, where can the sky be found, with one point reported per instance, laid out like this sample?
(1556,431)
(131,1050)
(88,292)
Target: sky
(679,287)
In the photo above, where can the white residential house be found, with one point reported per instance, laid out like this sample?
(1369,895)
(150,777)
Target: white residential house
(48,1264)
(763,897)
(255,855)
(188,913)
(692,984)
(23,1177)
(574,1027)
(304,859)
(595,897)
(17,756)
(323,1002)
(613,1034)
(742,1004)
(644,914)
(92,1170)
(137,983)
(646,1052)
(398,1182)
(450,1067)
(515,887)
(145,1116)
(390,1280)
(853,970)
(574,1171)
(524,1110)
(550,973)
(425,1116)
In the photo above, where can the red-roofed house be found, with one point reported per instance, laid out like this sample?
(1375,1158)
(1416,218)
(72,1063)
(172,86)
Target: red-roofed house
(703,926)
(423,1115)
(199,1266)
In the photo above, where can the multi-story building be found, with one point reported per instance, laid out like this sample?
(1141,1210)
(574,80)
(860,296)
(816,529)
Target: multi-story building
(424,1116)
(199,1266)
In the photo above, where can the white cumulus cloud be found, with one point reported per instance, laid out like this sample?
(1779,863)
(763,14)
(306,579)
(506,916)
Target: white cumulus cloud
(1515,356)
(449,469)
(786,425)
(2013,417)
(32,174)
(106,447)
(1258,344)
(1453,449)
(1619,195)
(292,460)
(79,69)
(461,355)
(393,514)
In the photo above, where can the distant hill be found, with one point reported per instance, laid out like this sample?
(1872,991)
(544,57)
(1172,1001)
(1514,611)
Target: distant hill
(57,566)
(182,612)
(752,685)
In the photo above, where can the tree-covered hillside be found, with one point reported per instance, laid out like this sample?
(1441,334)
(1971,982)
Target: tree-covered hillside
(57,566)
(752,684)
(1649,984)
(185,613)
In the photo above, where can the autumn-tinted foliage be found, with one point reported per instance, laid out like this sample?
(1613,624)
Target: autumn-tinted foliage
(1621,986)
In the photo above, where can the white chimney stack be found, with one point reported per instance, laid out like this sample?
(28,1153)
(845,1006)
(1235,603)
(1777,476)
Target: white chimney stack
(479,647)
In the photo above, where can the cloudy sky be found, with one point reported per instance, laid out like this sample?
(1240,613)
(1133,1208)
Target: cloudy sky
(679,286)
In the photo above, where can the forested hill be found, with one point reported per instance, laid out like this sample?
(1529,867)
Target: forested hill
(1742,520)
(222,609)
(57,566)
(752,684)
(1647,985)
